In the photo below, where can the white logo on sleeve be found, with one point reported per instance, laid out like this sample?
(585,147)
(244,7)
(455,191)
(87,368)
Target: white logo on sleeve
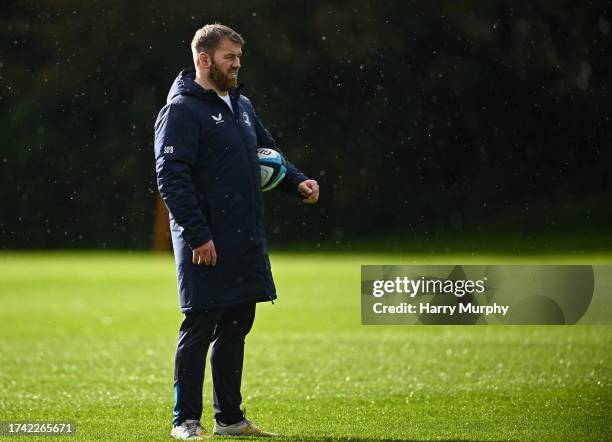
(218,119)
(245,118)
(168,149)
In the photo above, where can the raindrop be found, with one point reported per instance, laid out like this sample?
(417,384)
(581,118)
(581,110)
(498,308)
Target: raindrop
(604,25)
(582,80)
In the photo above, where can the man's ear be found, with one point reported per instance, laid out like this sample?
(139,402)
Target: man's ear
(204,60)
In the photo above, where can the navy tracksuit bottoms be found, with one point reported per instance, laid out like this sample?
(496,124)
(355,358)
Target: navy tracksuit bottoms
(226,328)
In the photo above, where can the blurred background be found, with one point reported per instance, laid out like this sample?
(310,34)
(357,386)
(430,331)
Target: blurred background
(419,119)
(441,132)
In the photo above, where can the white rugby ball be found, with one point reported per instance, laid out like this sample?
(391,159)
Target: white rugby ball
(273,168)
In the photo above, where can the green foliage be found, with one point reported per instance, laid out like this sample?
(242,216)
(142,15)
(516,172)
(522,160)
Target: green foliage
(412,115)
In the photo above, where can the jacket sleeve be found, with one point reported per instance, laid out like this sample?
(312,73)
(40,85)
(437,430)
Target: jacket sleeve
(176,143)
(294,176)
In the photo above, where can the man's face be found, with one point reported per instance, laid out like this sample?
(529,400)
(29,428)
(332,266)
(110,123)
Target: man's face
(225,64)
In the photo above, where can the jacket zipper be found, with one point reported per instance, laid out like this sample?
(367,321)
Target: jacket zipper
(235,118)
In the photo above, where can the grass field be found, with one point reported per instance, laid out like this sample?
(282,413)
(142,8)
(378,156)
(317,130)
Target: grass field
(90,338)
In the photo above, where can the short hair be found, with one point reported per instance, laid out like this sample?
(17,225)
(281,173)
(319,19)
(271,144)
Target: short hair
(208,38)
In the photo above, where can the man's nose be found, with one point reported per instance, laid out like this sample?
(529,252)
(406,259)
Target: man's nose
(236,63)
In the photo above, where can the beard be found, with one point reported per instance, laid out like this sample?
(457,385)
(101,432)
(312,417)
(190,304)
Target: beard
(222,80)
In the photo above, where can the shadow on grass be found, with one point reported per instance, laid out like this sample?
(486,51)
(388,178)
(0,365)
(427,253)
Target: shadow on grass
(328,438)
(440,243)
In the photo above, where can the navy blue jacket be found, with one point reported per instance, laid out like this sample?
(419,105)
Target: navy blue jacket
(209,177)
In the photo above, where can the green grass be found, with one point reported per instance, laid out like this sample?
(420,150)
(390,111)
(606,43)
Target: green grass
(90,338)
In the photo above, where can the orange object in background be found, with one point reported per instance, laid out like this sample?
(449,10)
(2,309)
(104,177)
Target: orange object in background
(161,227)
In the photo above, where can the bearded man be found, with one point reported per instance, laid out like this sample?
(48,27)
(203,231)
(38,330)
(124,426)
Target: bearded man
(206,140)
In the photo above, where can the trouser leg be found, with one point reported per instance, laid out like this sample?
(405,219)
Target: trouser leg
(195,335)
(226,359)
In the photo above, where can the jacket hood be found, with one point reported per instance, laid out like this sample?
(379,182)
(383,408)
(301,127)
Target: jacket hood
(184,84)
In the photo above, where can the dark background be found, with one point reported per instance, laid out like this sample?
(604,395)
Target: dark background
(417,118)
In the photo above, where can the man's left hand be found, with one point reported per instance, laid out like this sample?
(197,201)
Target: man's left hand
(309,189)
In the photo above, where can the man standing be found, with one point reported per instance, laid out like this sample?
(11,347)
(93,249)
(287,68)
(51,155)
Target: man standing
(208,175)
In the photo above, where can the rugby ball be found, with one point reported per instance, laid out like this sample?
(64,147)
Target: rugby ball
(273,168)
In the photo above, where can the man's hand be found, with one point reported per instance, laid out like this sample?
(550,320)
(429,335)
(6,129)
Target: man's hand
(205,255)
(309,189)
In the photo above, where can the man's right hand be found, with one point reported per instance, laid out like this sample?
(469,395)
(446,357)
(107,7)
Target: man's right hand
(205,255)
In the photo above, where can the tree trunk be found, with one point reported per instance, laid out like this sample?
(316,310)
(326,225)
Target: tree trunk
(161,228)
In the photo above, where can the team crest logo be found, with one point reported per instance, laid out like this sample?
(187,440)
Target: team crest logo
(245,118)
